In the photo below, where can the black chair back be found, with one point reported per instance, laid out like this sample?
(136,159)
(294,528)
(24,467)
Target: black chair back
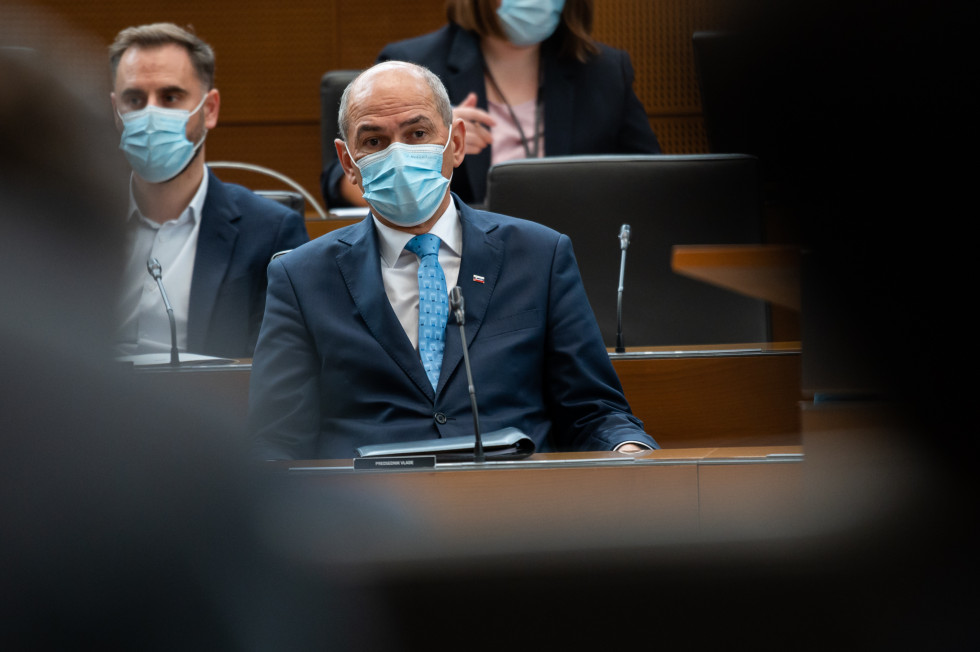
(667,201)
(332,86)
(293,200)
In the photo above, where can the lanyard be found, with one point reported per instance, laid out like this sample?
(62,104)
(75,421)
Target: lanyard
(538,115)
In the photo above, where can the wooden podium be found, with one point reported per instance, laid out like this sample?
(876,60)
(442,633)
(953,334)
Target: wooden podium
(559,501)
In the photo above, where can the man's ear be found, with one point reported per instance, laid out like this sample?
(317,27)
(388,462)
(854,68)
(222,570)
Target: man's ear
(459,141)
(212,104)
(346,162)
(115,111)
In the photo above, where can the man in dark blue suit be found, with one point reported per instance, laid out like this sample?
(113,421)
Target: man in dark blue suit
(351,350)
(213,240)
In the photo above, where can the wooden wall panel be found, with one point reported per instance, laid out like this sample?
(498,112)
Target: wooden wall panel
(366,27)
(271,57)
(680,134)
(657,34)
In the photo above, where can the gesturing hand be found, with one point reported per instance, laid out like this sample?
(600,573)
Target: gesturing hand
(478,124)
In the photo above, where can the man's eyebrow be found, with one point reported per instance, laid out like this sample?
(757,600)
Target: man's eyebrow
(369,128)
(167,90)
(172,90)
(419,119)
(366,129)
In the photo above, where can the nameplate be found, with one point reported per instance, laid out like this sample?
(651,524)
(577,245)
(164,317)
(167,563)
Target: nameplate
(394,463)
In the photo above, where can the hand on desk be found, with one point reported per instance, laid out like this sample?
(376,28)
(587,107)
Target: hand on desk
(629,448)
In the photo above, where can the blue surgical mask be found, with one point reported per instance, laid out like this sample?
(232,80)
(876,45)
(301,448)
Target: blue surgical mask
(404,183)
(155,143)
(527,22)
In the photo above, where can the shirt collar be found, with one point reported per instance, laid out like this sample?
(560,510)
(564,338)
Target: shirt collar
(392,241)
(196,206)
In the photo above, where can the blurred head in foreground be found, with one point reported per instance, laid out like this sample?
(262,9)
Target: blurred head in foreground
(128,517)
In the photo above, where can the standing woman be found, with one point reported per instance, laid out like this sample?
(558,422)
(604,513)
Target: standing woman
(530,81)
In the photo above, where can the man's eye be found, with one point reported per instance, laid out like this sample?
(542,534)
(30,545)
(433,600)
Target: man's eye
(419,134)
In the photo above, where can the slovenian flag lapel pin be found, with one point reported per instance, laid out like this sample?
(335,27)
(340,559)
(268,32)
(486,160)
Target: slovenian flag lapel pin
(478,279)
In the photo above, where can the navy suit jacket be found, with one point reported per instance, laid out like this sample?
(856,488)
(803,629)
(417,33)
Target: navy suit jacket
(240,232)
(334,370)
(589,108)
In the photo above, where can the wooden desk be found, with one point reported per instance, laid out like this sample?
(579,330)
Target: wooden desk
(738,395)
(697,541)
(552,502)
(741,395)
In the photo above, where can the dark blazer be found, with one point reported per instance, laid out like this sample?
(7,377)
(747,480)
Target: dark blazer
(240,232)
(333,369)
(589,108)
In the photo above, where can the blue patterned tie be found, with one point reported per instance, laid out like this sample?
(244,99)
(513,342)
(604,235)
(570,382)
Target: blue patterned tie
(433,304)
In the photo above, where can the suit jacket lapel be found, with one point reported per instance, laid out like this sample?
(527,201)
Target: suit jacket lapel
(361,269)
(478,273)
(215,246)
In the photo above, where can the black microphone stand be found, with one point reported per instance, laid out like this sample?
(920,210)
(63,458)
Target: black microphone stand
(156,271)
(624,240)
(456,302)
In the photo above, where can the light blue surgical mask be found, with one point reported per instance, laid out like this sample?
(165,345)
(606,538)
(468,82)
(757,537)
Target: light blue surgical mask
(528,22)
(155,143)
(404,183)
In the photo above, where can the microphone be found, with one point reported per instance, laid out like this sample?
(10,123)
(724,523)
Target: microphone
(156,271)
(456,304)
(624,242)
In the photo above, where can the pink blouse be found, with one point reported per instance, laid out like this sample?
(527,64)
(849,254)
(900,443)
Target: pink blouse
(506,138)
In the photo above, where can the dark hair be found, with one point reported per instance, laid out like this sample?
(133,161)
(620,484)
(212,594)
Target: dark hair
(574,33)
(157,34)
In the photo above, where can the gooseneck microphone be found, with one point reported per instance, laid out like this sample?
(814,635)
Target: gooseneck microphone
(156,271)
(624,242)
(456,304)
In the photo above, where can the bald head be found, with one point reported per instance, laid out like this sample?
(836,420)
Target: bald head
(396,103)
(393,85)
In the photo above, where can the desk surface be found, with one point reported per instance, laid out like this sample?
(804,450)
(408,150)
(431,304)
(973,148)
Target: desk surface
(590,459)
(708,350)
(632,353)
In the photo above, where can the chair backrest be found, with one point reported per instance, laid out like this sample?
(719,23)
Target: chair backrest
(332,86)
(293,200)
(667,201)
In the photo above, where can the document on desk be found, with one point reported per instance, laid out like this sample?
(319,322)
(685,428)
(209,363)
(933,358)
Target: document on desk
(162,359)
(503,444)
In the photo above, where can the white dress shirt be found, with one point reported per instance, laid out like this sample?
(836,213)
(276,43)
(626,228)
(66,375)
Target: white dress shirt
(400,268)
(144,324)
